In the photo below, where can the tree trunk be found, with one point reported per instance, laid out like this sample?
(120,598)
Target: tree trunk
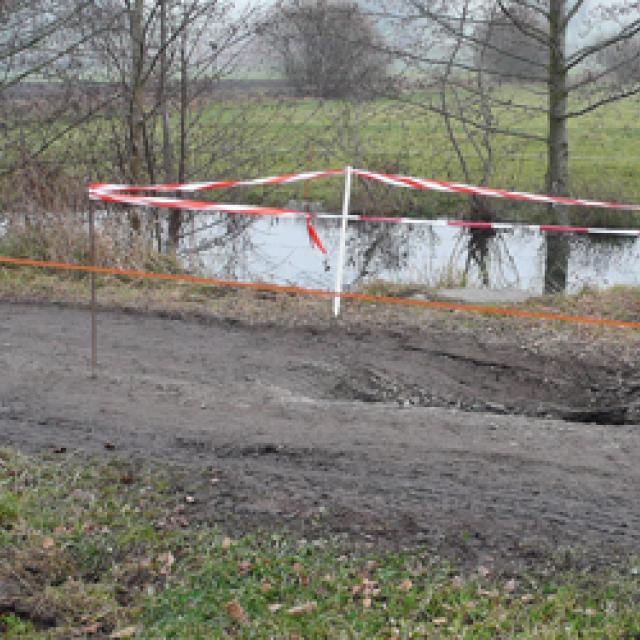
(136,104)
(557,247)
(175,219)
(167,150)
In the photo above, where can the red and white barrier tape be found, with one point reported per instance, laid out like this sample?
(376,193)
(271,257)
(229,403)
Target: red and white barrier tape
(456,187)
(212,207)
(216,207)
(287,178)
(117,193)
(498,226)
(99,190)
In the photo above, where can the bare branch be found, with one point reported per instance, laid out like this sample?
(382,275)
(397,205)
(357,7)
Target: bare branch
(528,30)
(606,100)
(625,34)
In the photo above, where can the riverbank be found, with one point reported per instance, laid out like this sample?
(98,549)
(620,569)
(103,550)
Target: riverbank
(29,285)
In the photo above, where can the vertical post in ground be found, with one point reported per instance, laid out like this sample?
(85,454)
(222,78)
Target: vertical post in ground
(94,320)
(343,240)
(306,191)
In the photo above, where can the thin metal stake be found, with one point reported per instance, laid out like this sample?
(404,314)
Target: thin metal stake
(343,241)
(94,319)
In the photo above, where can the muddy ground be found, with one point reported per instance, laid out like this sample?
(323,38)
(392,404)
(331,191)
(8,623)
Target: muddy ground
(477,443)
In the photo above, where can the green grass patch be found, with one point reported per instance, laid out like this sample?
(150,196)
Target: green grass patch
(105,546)
(240,137)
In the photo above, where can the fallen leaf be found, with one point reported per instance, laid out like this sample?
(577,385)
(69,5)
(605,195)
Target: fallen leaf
(370,587)
(276,606)
(405,585)
(302,609)
(90,629)
(167,560)
(127,632)
(265,586)
(48,543)
(236,612)
(244,566)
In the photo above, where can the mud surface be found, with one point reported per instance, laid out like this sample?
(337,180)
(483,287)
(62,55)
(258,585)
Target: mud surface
(470,442)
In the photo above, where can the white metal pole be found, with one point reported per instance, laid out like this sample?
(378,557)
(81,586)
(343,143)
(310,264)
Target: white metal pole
(343,240)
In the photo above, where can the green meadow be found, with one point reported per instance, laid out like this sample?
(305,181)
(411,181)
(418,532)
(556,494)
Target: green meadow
(244,136)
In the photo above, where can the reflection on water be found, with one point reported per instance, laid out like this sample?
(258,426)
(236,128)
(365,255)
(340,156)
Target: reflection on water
(278,251)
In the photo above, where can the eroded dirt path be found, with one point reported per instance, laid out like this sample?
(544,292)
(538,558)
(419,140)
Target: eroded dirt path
(469,443)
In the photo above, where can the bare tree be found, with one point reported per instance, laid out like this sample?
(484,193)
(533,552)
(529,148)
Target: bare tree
(573,73)
(328,49)
(111,75)
(168,56)
(502,49)
(37,36)
(623,61)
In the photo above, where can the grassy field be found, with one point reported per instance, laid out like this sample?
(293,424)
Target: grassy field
(243,136)
(103,547)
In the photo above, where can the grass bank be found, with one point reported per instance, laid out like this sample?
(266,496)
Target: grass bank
(37,285)
(112,548)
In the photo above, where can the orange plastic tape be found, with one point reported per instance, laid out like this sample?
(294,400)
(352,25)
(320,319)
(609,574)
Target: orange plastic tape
(427,304)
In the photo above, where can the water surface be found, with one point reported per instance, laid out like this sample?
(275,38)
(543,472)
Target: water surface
(278,251)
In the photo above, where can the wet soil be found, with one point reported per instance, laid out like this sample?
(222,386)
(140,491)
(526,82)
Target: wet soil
(473,442)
